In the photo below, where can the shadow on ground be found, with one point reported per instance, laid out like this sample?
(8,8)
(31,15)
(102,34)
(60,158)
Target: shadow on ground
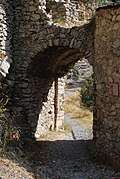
(67,159)
(60,159)
(68,149)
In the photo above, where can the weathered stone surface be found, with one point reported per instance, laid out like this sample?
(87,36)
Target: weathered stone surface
(6,19)
(43,51)
(107,80)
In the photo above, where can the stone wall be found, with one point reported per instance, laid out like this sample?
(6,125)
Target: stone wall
(42,52)
(68,13)
(107,80)
(81,71)
(50,114)
(6,27)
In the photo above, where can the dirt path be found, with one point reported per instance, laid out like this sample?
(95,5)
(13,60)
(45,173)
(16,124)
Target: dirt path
(70,156)
(59,156)
(78,132)
(69,159)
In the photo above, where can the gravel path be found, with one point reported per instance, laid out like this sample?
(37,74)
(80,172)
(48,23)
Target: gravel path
(78,132)
(60,157)
(69,159)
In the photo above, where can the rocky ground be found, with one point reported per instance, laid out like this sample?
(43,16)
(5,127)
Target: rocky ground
(59,156)
(71,157)
(11,170)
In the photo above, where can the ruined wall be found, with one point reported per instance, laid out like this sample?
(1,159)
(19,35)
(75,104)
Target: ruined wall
(68,13)
(6,27)
(49,114)
(42,51)
(107,80)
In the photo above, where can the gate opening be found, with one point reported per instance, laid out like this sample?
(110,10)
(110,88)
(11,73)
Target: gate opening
(78,105)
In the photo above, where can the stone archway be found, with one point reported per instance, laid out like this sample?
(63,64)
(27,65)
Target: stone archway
(36,92)
(29,73)
(41,52)
(33,33)
(49,66)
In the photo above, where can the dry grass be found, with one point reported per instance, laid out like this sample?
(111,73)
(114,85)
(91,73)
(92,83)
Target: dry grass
(75,108)
(67,127)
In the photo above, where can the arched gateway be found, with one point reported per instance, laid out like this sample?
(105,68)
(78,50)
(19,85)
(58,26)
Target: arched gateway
(43,52)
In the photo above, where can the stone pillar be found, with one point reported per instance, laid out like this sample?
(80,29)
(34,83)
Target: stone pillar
(52,113)
(60,115)
(107,80)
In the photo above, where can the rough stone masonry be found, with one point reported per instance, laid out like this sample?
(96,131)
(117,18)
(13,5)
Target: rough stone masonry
(41,53)
(36,40)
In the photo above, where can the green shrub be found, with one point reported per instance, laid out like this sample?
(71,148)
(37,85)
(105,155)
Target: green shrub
(87,93)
